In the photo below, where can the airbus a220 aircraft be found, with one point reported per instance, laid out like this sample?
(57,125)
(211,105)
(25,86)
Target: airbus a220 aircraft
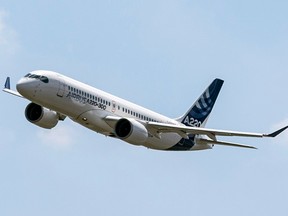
(54,96)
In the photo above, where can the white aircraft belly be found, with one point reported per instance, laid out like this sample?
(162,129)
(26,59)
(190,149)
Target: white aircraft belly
(167,141)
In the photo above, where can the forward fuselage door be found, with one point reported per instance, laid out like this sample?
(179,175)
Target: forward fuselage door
(113,106)
(62,87)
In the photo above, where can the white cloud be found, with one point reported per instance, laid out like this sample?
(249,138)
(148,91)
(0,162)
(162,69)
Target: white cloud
(61,137)
(8,38)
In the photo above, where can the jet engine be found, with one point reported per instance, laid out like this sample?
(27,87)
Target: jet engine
(131,131)
(41,116)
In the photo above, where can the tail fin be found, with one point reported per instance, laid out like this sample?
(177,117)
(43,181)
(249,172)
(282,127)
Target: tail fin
(198,114)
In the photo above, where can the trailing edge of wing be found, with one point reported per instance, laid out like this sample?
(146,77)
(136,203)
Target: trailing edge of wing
(212,133)
(205,141)
(7,88)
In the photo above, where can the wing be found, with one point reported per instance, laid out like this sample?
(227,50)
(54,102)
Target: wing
(185,131)
(7,88)
(212,133)
(156,129)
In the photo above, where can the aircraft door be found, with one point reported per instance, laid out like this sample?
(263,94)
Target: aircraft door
(113,106)
(62,88)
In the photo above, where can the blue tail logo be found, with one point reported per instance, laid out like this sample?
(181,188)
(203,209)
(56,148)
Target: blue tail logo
(198,114)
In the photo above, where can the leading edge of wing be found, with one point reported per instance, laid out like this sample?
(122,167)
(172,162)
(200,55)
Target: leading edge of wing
(211,133)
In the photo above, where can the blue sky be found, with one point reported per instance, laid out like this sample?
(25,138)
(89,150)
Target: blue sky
(162,55)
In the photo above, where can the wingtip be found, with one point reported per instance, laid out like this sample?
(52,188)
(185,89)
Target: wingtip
(276,133)
(7,83)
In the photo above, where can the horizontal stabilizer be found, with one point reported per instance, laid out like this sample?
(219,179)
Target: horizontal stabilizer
(205,141)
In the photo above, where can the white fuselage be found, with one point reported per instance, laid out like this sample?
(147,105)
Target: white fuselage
(55,96)
(89,106)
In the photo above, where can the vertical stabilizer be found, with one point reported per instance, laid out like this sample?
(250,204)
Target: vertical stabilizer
(198,114)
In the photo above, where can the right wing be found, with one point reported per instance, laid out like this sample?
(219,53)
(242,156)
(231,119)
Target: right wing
(184,131)
(212,133)
(156,129)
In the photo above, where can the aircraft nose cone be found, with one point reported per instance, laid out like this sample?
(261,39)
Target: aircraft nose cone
(24,87)
(20,86)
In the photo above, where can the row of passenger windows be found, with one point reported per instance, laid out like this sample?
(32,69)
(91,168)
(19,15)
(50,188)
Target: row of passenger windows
(87,95)
(100,100)
(137,115)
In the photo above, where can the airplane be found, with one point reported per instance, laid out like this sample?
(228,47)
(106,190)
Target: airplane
(53,97)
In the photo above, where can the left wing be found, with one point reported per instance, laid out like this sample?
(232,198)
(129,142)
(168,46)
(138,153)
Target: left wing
(7,88)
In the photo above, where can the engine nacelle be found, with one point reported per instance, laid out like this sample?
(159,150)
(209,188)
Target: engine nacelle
(131,131)
(41,116)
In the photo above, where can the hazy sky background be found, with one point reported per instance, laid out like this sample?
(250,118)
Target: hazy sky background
(162,55)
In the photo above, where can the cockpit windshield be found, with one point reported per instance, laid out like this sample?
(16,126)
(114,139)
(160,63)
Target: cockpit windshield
(34,76)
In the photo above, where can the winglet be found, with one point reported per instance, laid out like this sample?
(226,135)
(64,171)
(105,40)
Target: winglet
(7,83)
(7,88)
(276,133)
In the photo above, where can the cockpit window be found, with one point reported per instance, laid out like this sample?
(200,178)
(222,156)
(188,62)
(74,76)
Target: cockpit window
(44,79)
(34,76)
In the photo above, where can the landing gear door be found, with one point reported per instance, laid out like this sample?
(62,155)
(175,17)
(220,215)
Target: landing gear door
(62,88)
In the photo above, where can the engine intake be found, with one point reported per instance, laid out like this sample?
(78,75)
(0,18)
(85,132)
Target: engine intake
(41,116)
(131,131)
